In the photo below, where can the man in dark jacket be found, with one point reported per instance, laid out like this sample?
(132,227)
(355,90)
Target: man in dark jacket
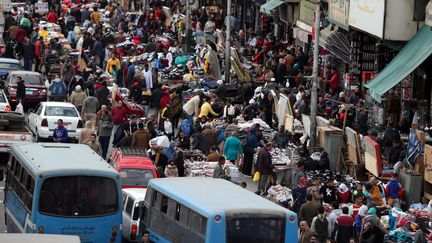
(28,54)
(21,89)
(102,95)
(265,167)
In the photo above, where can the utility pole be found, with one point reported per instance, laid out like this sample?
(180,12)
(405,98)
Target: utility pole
(187,27)
(228,44)
(314,95)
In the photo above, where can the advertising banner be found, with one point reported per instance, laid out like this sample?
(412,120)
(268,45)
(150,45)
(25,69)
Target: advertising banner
(368,15)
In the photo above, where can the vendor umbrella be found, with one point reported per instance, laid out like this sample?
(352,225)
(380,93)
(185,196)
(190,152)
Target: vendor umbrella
(161,141)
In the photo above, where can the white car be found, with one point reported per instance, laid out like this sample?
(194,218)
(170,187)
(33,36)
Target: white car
(4,103)
(43,120)
(132,198)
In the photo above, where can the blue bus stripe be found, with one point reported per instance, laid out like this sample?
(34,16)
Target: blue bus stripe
(16,208)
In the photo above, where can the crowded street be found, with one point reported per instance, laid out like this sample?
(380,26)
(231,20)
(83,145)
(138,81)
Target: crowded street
(189,121)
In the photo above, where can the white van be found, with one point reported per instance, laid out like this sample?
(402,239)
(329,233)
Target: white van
(132,197)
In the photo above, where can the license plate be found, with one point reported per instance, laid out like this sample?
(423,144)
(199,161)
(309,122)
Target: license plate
(29,91)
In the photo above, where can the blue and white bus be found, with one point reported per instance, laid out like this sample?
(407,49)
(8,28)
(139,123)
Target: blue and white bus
(62,189)
(212,211)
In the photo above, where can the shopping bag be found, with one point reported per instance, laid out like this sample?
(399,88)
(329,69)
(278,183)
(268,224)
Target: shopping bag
(256,176)
(19,108)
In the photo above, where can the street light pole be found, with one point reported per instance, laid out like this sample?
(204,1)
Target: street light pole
(228,44)
(314,95)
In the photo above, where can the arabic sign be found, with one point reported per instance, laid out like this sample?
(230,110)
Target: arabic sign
(367,15)
(307,10)
(338,13)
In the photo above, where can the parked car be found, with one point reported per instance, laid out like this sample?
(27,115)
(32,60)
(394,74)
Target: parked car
(43,120)
(132,199)
(8,65)
(36,90)
(4,103)
(135,167)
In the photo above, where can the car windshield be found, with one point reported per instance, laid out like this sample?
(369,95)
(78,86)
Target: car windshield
(28,79)
(78,196)
(136,177)
(60,111)
(10,66)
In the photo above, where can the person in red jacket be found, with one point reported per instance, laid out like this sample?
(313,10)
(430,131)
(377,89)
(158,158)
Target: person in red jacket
(166,98)
(52,16)
(119,116)
(343,193)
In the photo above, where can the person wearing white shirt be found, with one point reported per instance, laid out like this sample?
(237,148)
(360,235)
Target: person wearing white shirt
(148,76)
(228,110)
(168,128)
(169,57)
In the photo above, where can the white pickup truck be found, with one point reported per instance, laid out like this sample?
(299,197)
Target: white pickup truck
(13,130)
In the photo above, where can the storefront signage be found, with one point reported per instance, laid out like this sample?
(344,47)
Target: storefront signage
(368,15)
(338,13)
(307,10)
(41,7)
(372,156)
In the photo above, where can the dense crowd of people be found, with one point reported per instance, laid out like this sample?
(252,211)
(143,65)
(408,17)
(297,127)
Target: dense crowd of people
(105,60)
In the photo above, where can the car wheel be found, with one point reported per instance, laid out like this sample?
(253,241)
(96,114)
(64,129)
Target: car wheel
(4,122)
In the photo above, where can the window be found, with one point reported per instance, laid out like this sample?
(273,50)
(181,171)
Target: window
(17,169)
(30,184)
(184,215)
(78,196)
(129,206)
(10,66)
(164,205)
(255,230)
(60,111)
(28,79)
(136,212)
(136,177)
(157,200)
(172,208)
(195,222)
(148,195)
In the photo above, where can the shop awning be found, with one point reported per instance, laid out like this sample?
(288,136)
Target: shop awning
(270,5)
(409,58)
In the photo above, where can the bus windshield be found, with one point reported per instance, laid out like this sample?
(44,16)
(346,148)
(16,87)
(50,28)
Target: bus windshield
(78,196)
(135,177)
(255,230)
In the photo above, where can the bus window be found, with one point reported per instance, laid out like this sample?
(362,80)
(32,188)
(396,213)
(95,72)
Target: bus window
(255,230)
(172,208)
(17,169)
(184,215)
(78,196)
(129,206)
(164,205)
(30,184)
(198,223)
